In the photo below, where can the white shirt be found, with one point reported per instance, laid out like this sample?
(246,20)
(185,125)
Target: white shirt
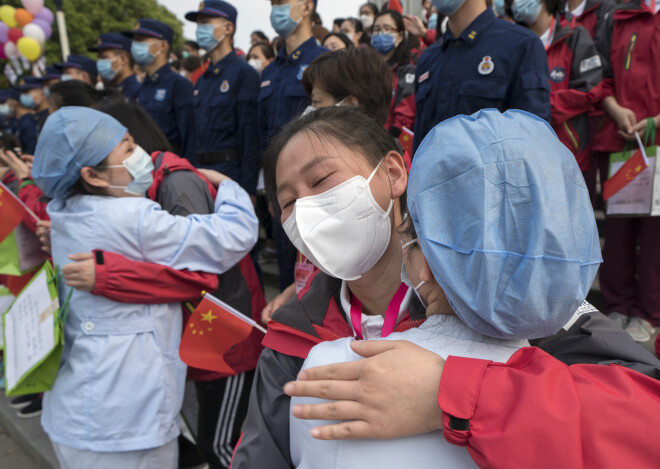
(546,38)
(649,3)
(372,326)
(578,10)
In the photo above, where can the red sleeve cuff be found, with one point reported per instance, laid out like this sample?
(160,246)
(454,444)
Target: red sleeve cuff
(100,284)
(457,396)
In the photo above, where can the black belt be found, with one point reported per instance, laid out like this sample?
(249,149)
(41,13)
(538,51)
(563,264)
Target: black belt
(222,156)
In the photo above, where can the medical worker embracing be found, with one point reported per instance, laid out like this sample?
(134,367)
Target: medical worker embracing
(119,389)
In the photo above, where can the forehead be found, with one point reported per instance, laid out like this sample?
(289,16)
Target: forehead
(385,19)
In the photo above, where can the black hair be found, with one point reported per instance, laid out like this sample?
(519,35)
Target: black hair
(139,123)
(191,44)
(357,71)
(372,6)
(347,125)
(260,34)
(401,53)
(342,37)
(278,43)
(190,64)
(266,49)
(79,93)
(338,22)
(9,141)
(357,26)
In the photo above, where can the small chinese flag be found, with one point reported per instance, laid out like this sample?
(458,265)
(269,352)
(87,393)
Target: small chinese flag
(212,330)
(395,5)
(626,173)
(12,211)
(406,140)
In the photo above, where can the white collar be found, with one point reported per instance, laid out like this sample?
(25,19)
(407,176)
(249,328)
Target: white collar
(579,10)
(649,3)
(546,38)
(371,325)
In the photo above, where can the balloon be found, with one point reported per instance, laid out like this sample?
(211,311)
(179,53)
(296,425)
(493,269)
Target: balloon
(15,34)
(45,27)
(33,6)
(23,16)
(34,31)
(4,29)
(45,14)
(11,51)
(30,48)
(2,53)
(7,15)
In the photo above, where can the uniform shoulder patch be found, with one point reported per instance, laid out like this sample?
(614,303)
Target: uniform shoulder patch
(301,71)
(590,63)
(265,83)
(224,87)
(161,94)
(486,66)
(423,77)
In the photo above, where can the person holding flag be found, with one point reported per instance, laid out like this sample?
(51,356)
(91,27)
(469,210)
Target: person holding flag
(629,277)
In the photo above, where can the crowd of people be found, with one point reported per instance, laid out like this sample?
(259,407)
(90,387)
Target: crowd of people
(426,180)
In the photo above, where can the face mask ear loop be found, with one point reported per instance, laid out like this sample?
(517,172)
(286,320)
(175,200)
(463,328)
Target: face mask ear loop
(371,176)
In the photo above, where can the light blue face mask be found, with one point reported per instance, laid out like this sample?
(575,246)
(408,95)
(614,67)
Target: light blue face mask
(104,66)
(28,101)
(140,166)
(447,7)
(281,21)
(383,42)
(66,77)
(499,9)
(141,54)
(526,11)
(206,37)
(5,110)
(47,92)
(433,22)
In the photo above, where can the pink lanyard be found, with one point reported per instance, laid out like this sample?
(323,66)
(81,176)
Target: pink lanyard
(391,315)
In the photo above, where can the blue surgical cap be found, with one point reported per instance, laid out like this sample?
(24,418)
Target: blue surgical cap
(72,138)
(504,220)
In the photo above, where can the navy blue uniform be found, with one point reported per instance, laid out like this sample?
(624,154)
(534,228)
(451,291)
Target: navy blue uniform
(282,95)
(130,87)
(28,129)
(9,125)
(226,115)
(492,64)
(168,98)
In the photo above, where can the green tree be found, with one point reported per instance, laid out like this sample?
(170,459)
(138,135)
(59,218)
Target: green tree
(86,19)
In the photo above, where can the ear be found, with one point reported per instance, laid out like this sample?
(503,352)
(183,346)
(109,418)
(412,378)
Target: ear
(396,170)
(352,101)
(424,269)
(308,7)
(230,29)
(91,176)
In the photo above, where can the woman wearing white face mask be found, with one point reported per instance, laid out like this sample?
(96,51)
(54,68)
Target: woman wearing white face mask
(97,176)
(368,13)
(339,192)
(260,56)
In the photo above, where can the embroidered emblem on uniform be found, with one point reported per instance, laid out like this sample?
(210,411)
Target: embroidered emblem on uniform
(423,77)
(265,83)
(160,94)
(472,35)
(224,87)
(301,71)
(410,78)
(590,63)
(486,66)
(558,74)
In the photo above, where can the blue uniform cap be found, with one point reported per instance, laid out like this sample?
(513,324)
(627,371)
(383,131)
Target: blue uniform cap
(14,94)
(116,41)
(216,8)
(29,83)
(151,28)
(52,73)
(72,138)
(504,220)
(81,62)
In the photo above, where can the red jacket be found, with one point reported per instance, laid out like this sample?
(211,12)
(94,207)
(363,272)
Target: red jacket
(402,106)
(124,280)
(575,88)
(630,44)
(594,15)
(583,416)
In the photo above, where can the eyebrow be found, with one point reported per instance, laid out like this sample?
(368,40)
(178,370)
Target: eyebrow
(316,161)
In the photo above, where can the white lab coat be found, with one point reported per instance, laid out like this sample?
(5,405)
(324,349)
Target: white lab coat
(120,383)
(441,334)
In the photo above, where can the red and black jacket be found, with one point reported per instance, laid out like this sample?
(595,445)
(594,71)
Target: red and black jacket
(402,106)
(594,16)
(630,45)
(182,190)
(575,88)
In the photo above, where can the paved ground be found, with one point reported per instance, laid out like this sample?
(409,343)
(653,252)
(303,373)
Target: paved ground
(12,456)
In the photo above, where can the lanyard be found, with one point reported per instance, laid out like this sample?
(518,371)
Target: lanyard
(551,34)
(391,315)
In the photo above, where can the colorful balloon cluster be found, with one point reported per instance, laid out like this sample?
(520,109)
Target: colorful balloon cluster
(23,31)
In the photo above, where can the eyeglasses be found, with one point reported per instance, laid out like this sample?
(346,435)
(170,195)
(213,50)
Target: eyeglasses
(386,28)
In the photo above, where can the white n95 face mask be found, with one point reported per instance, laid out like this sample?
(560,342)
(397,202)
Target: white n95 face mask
(343,231)
(141,167)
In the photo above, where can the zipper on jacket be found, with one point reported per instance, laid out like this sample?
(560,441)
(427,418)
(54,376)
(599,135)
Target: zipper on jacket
(631,47)
(576,146)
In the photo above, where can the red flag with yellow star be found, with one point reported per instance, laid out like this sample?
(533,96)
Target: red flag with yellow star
(213,329)
(12,211)
(395,5)
(626,173)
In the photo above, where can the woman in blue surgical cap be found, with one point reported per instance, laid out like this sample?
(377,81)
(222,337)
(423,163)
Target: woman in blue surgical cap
(500,244)
(119,389)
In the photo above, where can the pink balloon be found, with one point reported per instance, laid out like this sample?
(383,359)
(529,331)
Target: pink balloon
(45,26)
(33,6)
(4,30)
(45,14)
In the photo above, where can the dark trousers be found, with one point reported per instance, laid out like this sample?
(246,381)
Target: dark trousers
(630,277)
(223,405)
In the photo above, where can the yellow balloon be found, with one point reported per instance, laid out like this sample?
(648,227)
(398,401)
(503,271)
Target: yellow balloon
(29,47)
(7,15)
